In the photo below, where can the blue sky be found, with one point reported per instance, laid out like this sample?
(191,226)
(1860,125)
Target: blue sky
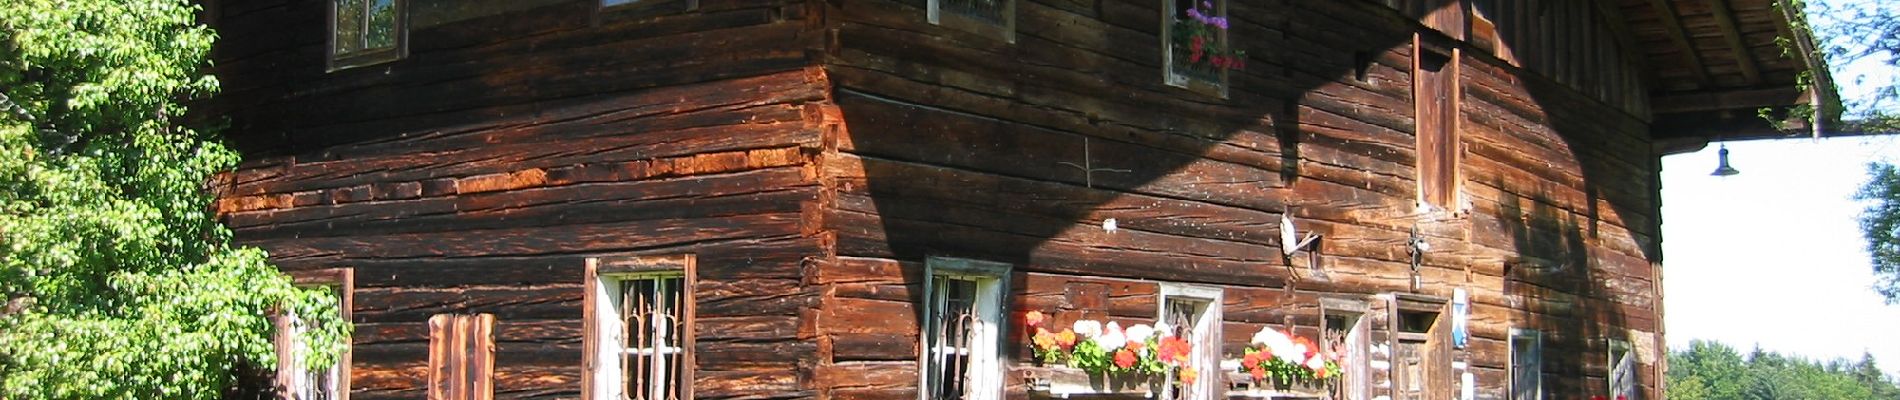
(1773,257)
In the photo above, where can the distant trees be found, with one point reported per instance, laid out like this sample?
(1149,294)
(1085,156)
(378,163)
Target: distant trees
(1710,370)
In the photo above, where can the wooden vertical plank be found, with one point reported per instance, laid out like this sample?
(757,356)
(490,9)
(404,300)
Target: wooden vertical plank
(481,357)
(441,327)
(590,326)
(691,309)
(1437,359)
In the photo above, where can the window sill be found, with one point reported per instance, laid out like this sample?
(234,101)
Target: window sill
(1063,382)
(1201,86)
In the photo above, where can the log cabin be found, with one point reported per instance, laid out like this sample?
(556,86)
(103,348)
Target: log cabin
(864,199)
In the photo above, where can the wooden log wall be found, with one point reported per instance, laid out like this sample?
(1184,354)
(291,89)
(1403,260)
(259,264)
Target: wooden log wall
(515,141)
(960,145)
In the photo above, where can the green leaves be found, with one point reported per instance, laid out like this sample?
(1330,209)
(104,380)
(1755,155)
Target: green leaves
(105,222)
(1880,225)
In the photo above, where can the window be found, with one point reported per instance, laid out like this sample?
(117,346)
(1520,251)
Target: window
(1435,95)
(996,18)
(1349,333)
(1527,366)
(295,381)
(462,356)
(639,333)
(1421,349)
(962,329)
(1201,68)
(365,32)
(1622,371)
(1194,312)
(636,9)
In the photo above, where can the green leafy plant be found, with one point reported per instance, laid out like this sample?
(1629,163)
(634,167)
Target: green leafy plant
(1107,348)
(118,281)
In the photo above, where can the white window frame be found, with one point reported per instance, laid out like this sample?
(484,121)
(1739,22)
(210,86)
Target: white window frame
(1005,30)
(1358,340)
(606,282)
(985,368)
(983,379)
(1622,370)
(367,56)
(1535,365)
(294,380)
(1206,340)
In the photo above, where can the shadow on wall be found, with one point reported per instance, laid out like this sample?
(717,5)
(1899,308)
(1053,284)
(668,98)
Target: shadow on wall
(1016,152)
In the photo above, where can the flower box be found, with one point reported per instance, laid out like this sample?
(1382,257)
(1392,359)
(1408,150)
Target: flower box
(1064,381)
(1246,388)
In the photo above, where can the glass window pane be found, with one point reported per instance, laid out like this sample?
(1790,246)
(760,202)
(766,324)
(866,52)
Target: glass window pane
(382,24)
(611,3)
(348,32)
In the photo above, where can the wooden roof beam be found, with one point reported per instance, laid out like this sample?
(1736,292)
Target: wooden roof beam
(1741,99)
(1666,13)
(1732,33)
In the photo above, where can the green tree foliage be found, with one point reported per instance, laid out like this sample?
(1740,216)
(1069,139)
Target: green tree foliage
(118,282)
(1880,225)
(1855,31)
(1709,370)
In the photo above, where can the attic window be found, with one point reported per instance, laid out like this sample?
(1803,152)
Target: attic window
(367,32)
(1196,51)
(993,18)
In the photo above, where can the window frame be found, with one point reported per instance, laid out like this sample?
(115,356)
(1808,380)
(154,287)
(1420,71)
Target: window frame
(640,9)
(1630,388)
(992,284)
(285,337)
(1358,336)
(335,61)
(1207,340)
(1184,81)
(1535,364)
(1446,145)
(1005,32)
(601,377)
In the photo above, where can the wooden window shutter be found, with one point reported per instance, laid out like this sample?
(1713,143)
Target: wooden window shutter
(461,357)
(1436,361)
(1358,379)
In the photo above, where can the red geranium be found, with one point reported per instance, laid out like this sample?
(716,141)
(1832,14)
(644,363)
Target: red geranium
(1126,359)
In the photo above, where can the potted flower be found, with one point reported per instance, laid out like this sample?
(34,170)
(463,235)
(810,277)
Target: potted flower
(1200,43)
(1096,357)
(1286,361)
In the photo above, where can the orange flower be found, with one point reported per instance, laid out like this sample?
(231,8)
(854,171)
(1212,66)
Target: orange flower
(1044,340)
(1321,373)
(1134,346)
(1126,359)
(1257,372)
(1251,359)
(1188,374)
(1173,350)
(1066,339)
(1033,319)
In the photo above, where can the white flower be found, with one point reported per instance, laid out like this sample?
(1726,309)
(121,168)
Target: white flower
(1112,329)
(1295,354)
(1315,363)
(1163,329)
(1140,333)
(1271,338)
(1088,328)
(1111,341)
